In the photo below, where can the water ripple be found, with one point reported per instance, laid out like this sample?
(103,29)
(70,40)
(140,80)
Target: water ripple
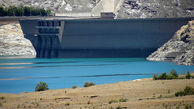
(53,77)
(22,67)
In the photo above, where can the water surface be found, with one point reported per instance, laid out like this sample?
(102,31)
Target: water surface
(22,74)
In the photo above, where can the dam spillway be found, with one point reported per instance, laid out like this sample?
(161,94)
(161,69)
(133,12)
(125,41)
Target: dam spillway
(75,38)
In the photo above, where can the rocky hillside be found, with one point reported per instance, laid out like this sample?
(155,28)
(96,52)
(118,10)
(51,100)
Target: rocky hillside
(12,41)
(129,8)
(54,5)
(156,8)
(179,49)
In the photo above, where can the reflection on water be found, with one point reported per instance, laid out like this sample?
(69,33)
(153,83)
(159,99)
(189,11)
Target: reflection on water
(22,74)
(19,67)
(126,74)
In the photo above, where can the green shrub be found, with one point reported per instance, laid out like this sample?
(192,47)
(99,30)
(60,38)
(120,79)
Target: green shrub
(155,77)
(74,87)
(88,84)
(159,97)
(2,98)
(188,107)
(112,101)
(67,104)
(188,75)
(170,76)
(174,73)
(41,86)
(118,107)
(162,76)
(180,93)
(187,91)
(123,100)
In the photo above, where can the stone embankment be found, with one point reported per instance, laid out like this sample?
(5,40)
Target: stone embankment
(12,41)
(179,49)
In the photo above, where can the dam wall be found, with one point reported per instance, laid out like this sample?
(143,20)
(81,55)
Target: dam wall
(100,37)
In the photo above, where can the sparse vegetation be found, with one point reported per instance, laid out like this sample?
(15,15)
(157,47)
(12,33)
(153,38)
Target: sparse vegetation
(112,101)
(74,87)
(23,11)
(1,104)
(2,98)
(159,97)
(123,100)
(169,91)
(188,76)
(88,84)
(67,104)
(188,107)
(172,75)
(118,107)
(187,91)
(41,86)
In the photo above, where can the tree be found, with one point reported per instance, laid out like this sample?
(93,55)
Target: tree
(174,73)
(11,11)
(2,11)
(27,11)
(19,11)
(41,86)
(188,75)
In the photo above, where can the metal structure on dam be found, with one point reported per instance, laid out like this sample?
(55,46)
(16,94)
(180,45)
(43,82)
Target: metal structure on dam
(74,38)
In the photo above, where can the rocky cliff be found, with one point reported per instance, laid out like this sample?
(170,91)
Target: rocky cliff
(129,8)
(12,41)
(179,49)
(156,8)
(64,6)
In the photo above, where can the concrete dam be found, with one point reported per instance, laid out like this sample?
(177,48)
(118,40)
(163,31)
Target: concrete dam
(80,38)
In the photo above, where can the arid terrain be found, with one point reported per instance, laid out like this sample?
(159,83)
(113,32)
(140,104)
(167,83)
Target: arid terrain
(138,94)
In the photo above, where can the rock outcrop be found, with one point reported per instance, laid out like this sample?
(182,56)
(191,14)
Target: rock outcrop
(179,49)
(156,8)
(64,6)
(12,41)
(128,8)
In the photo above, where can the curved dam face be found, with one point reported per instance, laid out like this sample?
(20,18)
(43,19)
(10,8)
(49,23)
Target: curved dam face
(98,37)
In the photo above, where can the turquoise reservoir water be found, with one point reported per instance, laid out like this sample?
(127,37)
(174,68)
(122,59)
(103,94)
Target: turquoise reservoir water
(22,74)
